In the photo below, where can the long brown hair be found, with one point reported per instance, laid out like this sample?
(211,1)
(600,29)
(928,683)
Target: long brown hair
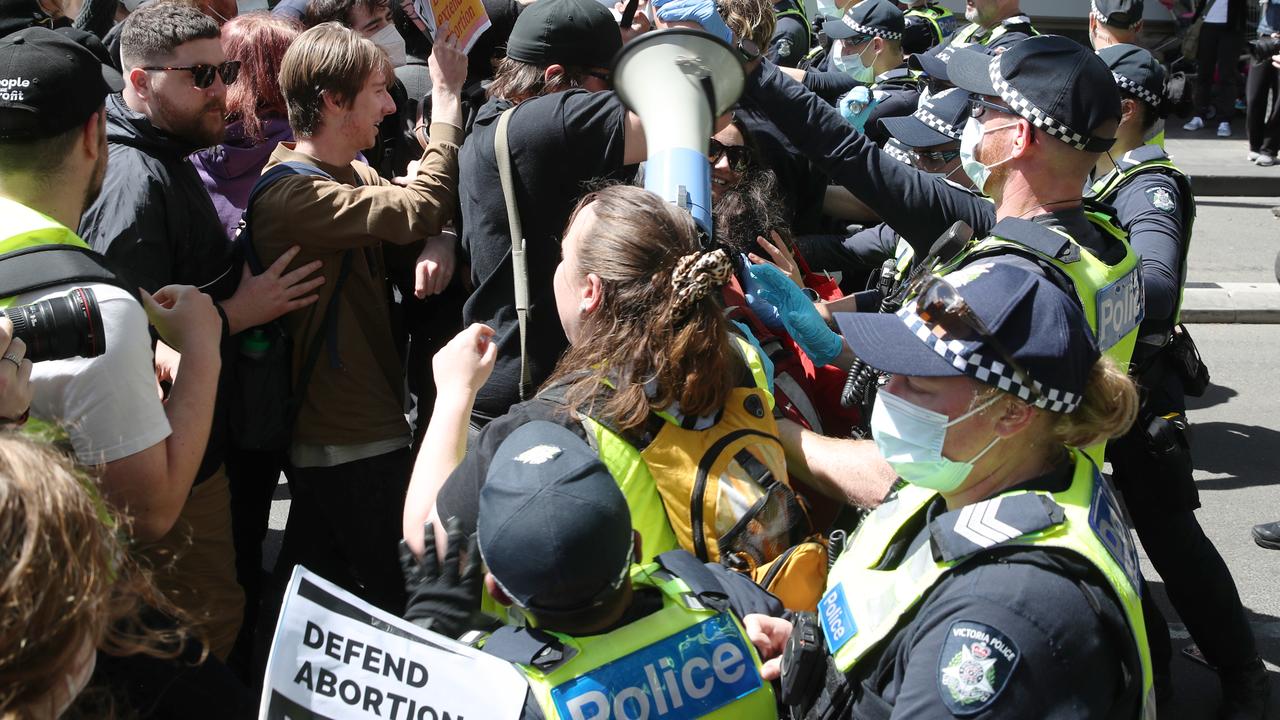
(637,340)
(66,577)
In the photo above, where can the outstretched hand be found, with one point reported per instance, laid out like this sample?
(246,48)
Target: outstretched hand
(443,596)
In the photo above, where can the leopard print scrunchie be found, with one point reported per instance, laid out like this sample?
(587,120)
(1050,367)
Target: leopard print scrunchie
(695,276)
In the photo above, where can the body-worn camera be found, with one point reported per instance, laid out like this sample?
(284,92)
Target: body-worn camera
(61,327)
(803,664)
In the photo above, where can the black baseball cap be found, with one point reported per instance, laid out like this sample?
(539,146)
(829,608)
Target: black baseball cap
(565,32)
(553,526)
(1137,72)
(1043,330)
(867,19)
(1053,82)
(933,62)
(939,120)
(1117,13)
(49,83)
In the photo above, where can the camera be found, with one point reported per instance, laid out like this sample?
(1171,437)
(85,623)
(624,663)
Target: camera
(61,327)
(1263,49)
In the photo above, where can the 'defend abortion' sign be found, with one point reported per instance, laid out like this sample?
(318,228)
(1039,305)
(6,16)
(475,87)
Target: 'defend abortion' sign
(336,656)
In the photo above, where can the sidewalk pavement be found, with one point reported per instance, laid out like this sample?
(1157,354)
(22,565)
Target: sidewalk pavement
(1219,166)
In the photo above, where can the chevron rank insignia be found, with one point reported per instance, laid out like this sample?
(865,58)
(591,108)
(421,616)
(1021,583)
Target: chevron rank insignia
(974,666)
(980,526)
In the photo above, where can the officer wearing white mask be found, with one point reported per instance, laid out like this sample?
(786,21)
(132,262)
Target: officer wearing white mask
(998,579)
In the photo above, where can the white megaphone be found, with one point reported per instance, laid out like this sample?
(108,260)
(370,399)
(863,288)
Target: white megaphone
(679,81)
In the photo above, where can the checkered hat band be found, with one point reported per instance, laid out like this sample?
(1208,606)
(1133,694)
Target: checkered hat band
(989,370)
(1096,13)
(937,123)
(868,30)
(897,153)
(1130,86)
(1027,109)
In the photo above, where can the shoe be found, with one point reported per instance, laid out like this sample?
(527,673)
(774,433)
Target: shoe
(1245,692)
(1241,106)
(1224,129)
(1267,535)
(1265,160)
(1195,123)
(1253,155)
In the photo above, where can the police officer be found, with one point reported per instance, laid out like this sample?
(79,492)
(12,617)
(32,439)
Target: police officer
(1043,112)
(792,33)
(604,636)
(998,579)
(993,23)
(927,24)
(1151,464)
(1114,22)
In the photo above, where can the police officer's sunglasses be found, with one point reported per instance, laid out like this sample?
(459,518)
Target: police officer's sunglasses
(202,74)
(940,305)
(933,159)
(978,107)
(739,155)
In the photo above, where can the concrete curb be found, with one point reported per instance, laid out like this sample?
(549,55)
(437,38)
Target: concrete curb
(1235,185)
(1255,303)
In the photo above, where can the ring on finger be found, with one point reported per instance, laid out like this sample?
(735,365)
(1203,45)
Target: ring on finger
(13,358)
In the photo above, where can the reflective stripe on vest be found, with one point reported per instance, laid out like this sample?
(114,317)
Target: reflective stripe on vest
(21,228)
(648,513)
(1109,185)
(967,33)
(683,661)
(863,606)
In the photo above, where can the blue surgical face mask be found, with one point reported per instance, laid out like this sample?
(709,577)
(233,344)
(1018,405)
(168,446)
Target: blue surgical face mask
(852,65)
(911,438)
(970,138)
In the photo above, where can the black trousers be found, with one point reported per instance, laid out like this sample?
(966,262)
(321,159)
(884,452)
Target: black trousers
(1161,497)
(1262,119)
(253,478)
(1219,49)
(344,524)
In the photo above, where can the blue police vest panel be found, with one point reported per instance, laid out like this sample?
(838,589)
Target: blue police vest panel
(1121,308)
(686,675)
(837,621)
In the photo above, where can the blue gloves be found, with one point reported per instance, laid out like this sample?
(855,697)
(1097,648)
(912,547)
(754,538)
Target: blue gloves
(702,12)
(777,301)
(856,105)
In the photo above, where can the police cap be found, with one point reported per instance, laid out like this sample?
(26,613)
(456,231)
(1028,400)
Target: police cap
(1116,13)
(939,120)
(1137,72)
(867,19)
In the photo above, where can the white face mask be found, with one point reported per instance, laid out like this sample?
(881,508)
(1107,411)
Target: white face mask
(969,141)
(389,39)
(911,438)
(853,65)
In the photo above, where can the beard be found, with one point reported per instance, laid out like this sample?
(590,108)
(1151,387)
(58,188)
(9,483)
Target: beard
(200,129)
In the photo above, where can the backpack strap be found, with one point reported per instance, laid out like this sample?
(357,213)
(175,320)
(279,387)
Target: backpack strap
(279,171)
(519,265)
(44,266)
(697,576)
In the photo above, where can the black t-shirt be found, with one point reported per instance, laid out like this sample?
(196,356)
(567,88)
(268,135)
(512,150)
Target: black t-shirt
(559,143)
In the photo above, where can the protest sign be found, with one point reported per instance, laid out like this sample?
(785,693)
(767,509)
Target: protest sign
(466,19)
(336,656)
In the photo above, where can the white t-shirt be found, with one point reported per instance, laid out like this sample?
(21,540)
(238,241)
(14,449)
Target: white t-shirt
(1217,13)
(109,406)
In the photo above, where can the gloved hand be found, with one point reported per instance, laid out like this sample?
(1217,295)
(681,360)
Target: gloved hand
(442,599)
(856,105)
(702,12)
(770,285)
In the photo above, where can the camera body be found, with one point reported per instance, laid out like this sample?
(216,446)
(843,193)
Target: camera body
(1263,49)
(61,327)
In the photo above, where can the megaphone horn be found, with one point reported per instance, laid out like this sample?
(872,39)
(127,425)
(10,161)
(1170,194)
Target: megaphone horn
(679,81)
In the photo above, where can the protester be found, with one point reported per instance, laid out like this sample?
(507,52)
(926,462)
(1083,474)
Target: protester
(350,456)
(653,376)
(68,587)
(155,221)
(256,117)
(1263,117)
(1039,619)
(1217,59)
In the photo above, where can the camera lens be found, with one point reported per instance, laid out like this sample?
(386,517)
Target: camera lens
(61,327)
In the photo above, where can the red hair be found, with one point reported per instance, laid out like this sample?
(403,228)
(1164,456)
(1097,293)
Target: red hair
(258,40)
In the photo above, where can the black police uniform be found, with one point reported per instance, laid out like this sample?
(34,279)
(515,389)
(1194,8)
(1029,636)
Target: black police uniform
(1053,610)
(791,35)
(1157,208)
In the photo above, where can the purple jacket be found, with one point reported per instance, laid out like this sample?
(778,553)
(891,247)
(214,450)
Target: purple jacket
(229,170)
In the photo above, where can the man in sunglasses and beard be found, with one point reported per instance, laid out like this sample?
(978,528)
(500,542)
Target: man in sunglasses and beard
(155,222)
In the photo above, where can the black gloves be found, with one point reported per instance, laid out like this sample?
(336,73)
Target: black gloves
(442,599)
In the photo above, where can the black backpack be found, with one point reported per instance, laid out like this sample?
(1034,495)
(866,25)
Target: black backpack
(265,402)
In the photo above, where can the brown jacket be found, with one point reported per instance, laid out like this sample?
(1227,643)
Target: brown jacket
(359,398)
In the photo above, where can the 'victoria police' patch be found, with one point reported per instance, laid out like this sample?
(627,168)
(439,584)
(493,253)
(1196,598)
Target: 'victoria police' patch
(1161,199)
(974,666)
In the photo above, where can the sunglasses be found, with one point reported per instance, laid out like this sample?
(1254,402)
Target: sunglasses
(978,107)
(940,305)
(934,159)
(739,155)
(600,75)
(202,75)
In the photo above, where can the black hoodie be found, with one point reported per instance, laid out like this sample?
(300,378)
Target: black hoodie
(155,221)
